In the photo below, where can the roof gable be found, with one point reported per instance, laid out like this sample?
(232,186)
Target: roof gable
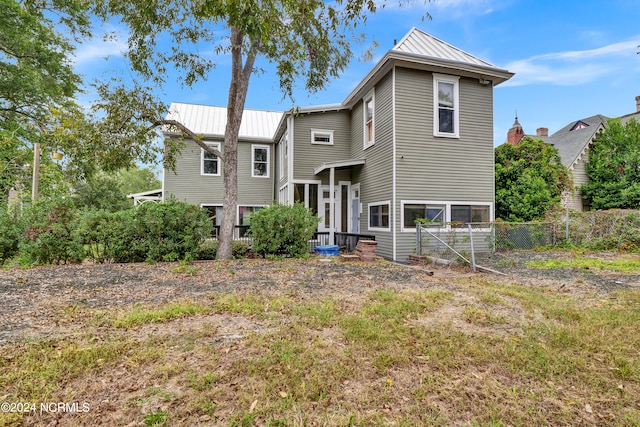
(417,42)
(574,138)
(422,51)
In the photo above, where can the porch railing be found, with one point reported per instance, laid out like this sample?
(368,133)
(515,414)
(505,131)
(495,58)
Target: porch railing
(345,241)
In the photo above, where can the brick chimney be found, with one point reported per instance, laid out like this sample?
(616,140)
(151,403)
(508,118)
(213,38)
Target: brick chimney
(638,104)
(542,132)
(516,133)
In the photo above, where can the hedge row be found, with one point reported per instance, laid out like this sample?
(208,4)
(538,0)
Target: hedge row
(52,231)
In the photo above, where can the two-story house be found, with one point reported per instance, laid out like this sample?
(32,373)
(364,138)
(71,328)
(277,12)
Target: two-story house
(414,139)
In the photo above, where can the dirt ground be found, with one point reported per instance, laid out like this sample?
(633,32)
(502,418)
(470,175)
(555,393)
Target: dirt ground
(33,301)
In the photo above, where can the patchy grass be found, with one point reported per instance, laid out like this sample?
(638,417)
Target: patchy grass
(139,315)
(625,264)
(391,356)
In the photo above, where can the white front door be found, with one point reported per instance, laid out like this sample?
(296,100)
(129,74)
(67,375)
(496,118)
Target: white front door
(325,209)
(355,208)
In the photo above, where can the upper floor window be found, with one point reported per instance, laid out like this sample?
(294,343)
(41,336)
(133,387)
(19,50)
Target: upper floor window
(260,161)
(321,136)
(210,163)
(446,108)
(369,119)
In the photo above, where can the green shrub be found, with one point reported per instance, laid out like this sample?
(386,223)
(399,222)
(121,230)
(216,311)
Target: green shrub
(209,249)
(49,236)
(105,234)
(151,232)
(12,229)
(282,229)
(154,232)
(170,230)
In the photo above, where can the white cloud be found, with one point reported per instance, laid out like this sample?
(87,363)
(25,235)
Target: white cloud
(455,9)
(576,67)
(97,49)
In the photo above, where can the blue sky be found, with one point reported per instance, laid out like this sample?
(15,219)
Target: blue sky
(572,59)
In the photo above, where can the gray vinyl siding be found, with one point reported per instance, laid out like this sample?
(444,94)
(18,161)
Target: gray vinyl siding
(280,179)
(190,186)
(307,156)
(441,169)
(580,177)
(376,176)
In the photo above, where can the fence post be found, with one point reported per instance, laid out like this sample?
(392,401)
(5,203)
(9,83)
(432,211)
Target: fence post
(566,221)
(473,254)
(419,239)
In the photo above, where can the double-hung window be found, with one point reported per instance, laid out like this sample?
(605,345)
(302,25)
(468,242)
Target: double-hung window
(369,119)
(446,108)
(260,161)
(210,163)
(379,216)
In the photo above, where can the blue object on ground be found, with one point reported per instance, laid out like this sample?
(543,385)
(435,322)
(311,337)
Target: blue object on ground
(327,250)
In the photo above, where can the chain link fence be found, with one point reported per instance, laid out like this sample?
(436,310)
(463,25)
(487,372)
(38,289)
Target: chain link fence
(463,243)
(455,243)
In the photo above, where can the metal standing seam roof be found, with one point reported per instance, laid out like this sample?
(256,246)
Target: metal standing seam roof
(417,42)
(211,121)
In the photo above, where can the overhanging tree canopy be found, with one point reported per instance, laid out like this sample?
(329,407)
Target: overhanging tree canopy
(306,40)
(614,167)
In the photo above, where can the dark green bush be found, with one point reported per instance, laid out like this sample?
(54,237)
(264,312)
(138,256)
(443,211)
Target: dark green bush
(12,229)
(282,229)
(151,232)
(49,236)
(209,249)
(102,234)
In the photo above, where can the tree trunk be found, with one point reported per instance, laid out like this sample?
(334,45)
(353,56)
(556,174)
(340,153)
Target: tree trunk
(237,96)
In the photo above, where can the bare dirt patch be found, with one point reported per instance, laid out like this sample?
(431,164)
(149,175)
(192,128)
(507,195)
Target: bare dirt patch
(35,301)
(188,367)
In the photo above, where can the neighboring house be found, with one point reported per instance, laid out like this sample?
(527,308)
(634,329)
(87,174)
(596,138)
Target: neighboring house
(414,139)
(573,143)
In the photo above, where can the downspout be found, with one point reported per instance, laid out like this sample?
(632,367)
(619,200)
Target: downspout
(332,216)
(289,150)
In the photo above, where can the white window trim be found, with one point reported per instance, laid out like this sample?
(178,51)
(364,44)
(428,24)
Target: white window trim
(369,96)
(323,132)
(281,155)
(245,206)
(447,206)
(211,205)
(254,147)
(202,159)
(443,78)
(369,227)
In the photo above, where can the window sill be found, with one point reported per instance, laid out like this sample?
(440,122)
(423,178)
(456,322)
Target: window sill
(378,229)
